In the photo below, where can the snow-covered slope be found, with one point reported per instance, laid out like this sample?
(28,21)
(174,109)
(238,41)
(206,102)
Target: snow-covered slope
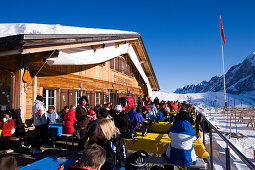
(25,28)
(207,98)
(239,79)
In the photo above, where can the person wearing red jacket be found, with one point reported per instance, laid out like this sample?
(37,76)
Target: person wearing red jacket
(174,106)
(129,103)
(70,121)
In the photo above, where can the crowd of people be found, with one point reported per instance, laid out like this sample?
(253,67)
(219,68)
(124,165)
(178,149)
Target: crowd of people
(104,127)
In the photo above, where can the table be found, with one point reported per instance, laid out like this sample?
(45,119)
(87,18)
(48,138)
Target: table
(49,163)
(158,143)
(161,126)
(56,130)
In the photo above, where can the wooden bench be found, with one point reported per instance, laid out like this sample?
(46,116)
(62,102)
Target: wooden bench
(247,118)
(69,136)
(163,161)
(8,139)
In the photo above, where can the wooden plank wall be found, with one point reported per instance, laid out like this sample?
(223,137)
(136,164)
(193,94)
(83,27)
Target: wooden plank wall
(29,102)
(94,78)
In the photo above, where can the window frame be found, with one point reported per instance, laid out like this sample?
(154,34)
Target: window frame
(97,97)
(47,97)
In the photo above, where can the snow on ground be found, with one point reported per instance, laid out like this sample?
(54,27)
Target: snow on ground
(207,101)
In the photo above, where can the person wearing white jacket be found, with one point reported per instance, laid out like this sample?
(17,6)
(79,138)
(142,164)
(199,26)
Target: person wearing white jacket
(41,126)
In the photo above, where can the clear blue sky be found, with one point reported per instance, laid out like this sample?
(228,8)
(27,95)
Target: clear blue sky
(182,37)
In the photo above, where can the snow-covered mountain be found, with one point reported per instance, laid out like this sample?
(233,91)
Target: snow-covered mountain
(240,79)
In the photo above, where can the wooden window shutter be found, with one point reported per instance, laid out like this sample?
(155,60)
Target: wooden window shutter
(120,64)
(116,64)
(71,97)
(128,69)
(93,99)
(112,63)
(102,98)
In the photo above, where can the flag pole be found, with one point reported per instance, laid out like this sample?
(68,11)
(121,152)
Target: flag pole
(225,95)
(224,80)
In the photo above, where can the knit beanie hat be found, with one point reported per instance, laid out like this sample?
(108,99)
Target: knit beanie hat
(40,98)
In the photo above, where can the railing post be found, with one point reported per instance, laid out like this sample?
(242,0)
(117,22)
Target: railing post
(211,149)
(227,158)
(204,132)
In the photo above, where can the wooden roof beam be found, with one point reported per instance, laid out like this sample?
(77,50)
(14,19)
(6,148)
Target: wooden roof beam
(77,45)
(96,47)
(143,61)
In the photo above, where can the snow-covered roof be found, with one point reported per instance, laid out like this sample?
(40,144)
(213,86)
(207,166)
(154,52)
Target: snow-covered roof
(25,28)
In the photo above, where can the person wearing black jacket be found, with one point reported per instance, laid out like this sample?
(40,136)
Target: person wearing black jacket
(156,101)
(83,117)
(123,122)
(107,136)
(20,128)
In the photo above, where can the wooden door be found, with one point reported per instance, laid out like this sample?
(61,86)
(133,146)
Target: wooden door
(91,99)
(114,99)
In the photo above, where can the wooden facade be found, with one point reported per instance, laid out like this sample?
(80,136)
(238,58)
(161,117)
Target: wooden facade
(63,85)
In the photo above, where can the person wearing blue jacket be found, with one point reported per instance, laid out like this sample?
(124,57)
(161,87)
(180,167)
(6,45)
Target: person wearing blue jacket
(163,114)
(135,118)
(180,151)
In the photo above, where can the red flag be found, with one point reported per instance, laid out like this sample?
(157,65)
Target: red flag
(222,31)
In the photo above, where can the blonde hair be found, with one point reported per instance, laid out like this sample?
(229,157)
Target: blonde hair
(108,128)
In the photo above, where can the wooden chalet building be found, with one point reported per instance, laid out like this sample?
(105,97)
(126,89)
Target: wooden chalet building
(104,65)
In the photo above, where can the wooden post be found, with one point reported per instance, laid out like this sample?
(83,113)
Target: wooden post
(34,89)
(41,91)
(12,91)
(58,99)
(20,94)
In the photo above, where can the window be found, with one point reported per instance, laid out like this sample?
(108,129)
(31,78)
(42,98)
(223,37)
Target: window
(49,98)
(77,97)
(97,101)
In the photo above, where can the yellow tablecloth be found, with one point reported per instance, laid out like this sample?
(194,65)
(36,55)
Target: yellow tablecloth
(158,143)
(172,113)
(161,126)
